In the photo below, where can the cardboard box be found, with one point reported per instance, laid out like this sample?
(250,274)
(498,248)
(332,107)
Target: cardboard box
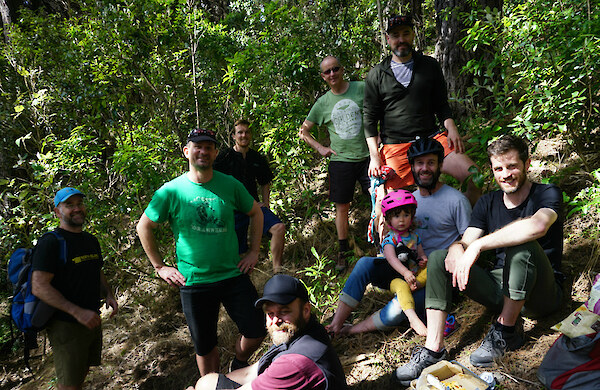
(452,375)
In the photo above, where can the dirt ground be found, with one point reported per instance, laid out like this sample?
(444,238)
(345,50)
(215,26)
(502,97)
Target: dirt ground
(147,345)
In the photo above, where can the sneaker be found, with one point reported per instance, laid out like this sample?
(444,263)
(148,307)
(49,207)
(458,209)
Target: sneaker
(237,364)
(494,345)
(451,325)
(421,358)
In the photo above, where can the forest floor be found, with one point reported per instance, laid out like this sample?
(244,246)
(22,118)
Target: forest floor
(147,345)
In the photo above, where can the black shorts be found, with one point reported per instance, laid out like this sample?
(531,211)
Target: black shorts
(201,304)
(343,176)
(242,223)
(224,383)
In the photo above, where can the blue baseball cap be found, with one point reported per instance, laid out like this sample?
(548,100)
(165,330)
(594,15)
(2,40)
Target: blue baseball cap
(65,194)
(283,289)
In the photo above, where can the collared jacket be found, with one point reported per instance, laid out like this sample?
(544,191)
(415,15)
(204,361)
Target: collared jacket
(403,113)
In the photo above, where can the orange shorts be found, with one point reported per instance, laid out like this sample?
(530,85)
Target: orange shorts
(394,155)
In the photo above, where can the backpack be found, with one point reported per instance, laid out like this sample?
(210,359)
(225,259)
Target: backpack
(572,363)
(27,311)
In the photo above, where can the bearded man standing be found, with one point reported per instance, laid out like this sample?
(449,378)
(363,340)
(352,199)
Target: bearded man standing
(404,95)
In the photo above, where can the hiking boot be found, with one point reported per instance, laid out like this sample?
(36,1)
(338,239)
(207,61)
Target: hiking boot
(420,359)
(494,345)
(341,263)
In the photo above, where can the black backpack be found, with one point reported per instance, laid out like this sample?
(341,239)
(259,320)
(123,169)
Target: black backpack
(27,311)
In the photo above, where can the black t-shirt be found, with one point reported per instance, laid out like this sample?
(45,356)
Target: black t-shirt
(490,214)
(250,171)
(79,280)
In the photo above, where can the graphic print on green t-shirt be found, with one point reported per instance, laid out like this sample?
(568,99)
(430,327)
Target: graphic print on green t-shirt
(346,116)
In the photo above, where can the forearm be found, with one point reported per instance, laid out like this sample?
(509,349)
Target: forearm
(145,231)
(518,232)
(106,291)
(421,252)
(265,193)
(256,228)
(307,137)
(50,295)
(390,255)
(450,125)
(373,145)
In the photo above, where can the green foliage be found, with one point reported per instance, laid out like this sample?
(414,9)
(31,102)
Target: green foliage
(324,285)
(542,77)
(587,201)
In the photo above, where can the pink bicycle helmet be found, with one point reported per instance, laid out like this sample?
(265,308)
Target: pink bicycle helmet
(396,199)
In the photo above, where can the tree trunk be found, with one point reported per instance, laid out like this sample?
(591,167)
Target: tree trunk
(450,54)
(6,19)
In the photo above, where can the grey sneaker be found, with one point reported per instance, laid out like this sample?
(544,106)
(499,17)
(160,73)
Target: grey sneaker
(494,345)
(420,359)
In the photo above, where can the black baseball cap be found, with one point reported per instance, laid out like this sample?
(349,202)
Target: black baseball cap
(199,134)
(399,20)
(282,289)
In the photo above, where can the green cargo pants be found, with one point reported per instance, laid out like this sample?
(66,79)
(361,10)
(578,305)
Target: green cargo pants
(526,275)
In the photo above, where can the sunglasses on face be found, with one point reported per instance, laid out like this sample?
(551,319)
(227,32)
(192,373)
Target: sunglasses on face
(332,70)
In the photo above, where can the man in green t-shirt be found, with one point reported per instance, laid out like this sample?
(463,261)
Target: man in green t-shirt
(199,207)
(341,110)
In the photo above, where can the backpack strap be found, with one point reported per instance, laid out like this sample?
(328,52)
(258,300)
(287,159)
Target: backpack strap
(63,245)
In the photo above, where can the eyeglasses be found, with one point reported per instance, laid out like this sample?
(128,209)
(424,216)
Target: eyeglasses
(199,132)
(335,69)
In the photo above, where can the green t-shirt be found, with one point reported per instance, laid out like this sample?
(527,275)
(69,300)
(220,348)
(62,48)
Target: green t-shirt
(343,115)
(201,217)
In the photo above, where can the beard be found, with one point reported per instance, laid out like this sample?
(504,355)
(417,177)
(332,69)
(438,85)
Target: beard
(403,51)
(431,182)
(511,190)
(74,220)
(286,332)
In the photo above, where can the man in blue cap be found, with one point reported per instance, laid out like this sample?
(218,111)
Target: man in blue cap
(301,356)
(75,288)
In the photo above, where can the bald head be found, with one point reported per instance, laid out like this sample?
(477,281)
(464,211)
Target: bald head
(329,62)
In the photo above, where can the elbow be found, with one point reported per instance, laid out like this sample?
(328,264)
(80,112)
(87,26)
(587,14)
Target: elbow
(539,229)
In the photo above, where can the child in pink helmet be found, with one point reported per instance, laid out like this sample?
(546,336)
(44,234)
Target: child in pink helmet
(403,251)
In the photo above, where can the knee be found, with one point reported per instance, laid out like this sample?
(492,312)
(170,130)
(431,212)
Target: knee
(363,265)
(208,381)
(530,248)
(436,261)
(277,230)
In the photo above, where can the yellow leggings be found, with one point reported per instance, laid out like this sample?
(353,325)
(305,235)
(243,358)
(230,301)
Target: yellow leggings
(402,289)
